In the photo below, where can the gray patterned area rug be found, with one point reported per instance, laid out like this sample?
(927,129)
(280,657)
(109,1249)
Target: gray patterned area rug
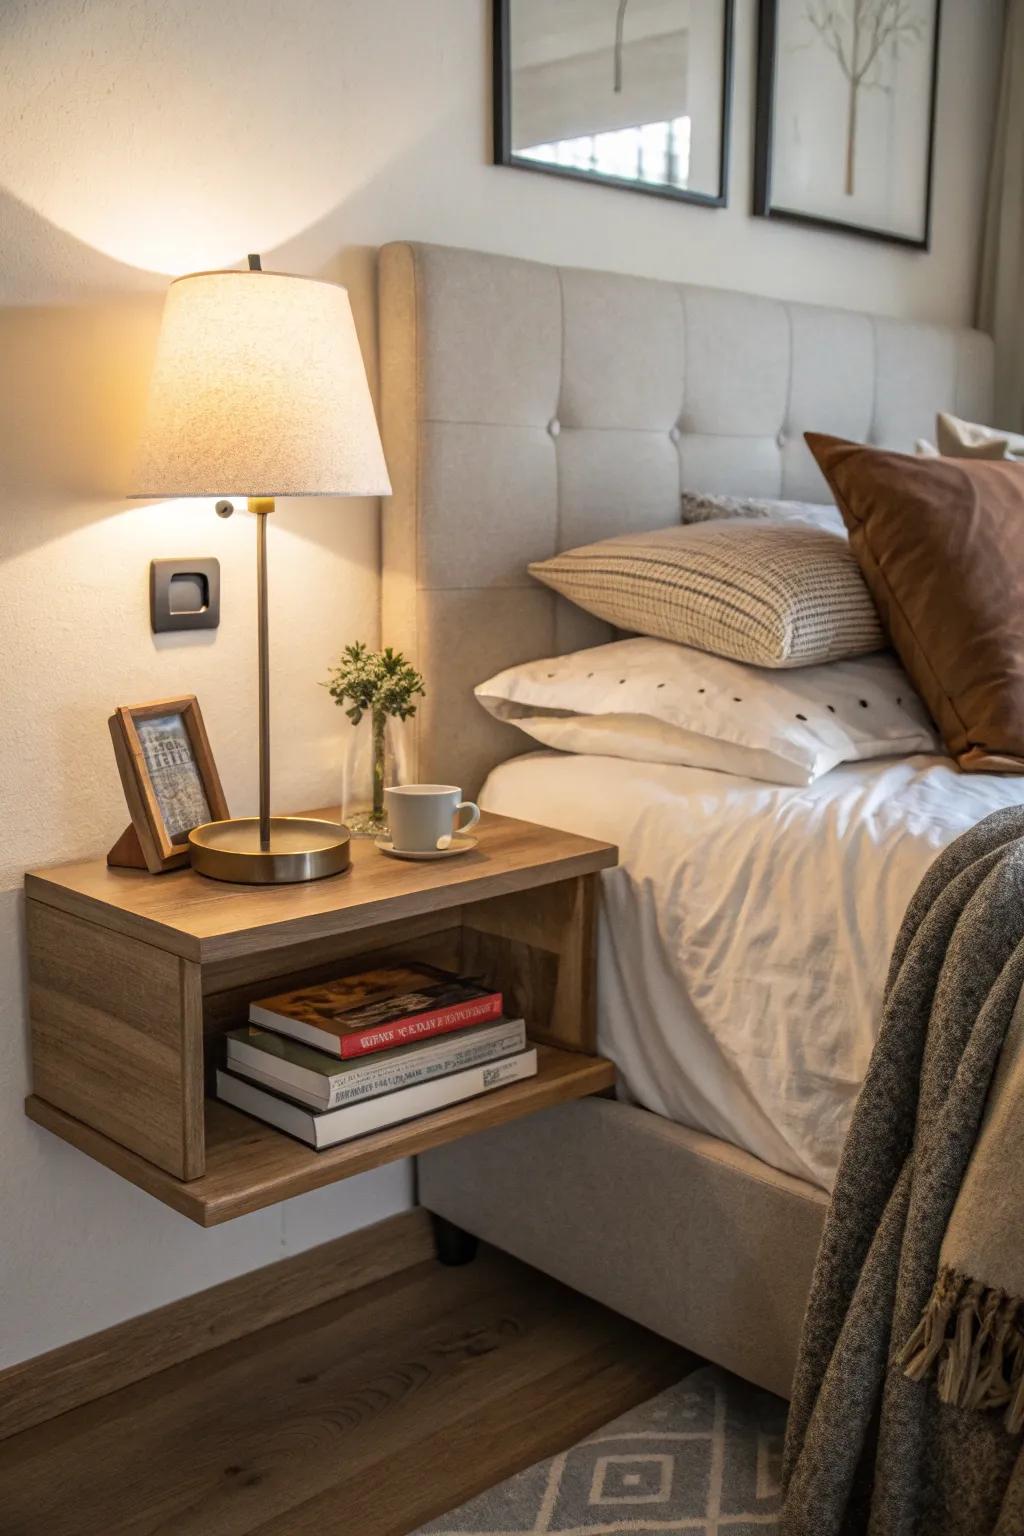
(703,1456)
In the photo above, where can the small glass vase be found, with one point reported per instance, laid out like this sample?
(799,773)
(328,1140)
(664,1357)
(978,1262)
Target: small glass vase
(372,762)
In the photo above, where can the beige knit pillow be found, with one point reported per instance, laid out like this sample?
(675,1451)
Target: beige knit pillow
(774,594)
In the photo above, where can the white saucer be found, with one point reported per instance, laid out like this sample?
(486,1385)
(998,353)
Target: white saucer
(460,844)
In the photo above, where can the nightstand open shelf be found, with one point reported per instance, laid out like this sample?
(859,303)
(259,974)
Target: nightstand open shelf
(135,978)
(250,1165)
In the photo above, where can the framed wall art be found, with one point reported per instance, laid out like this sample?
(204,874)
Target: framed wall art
(170,782)
(625,93)
(846,115)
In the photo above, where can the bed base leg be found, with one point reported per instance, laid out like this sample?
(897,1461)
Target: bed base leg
(452,1245)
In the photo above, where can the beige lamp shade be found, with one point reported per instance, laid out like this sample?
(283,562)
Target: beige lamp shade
(259,389)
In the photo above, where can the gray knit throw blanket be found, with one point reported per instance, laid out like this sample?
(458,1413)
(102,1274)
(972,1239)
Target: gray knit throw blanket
(908,1400)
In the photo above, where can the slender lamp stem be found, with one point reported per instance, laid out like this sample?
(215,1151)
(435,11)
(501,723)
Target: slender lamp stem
(262,506)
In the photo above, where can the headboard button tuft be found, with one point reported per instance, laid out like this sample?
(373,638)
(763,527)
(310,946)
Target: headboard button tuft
(675,433)
(554,427)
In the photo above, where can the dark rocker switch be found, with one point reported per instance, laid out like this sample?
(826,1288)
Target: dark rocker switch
(184,594)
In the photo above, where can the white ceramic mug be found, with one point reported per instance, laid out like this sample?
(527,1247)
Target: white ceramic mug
(422,817)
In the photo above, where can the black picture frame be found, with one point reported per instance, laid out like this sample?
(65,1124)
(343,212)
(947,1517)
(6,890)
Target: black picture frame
(502,122)
(764,119)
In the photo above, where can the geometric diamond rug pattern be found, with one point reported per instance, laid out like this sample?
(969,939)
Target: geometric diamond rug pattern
(703,1456)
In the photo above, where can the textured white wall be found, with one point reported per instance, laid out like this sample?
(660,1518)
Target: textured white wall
(140,139)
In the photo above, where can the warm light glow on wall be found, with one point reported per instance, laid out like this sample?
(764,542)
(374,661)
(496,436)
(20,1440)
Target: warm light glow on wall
(165,138)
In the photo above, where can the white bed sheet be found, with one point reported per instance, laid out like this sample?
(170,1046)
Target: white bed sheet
(745,936)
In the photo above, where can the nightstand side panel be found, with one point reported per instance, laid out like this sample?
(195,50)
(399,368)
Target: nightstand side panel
(539,947)
(117,1037)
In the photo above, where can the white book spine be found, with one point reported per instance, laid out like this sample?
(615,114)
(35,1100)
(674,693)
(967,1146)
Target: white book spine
(379,1074)
(386,1079)
(337,1125)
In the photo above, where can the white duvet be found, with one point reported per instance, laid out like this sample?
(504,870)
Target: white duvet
(745,936)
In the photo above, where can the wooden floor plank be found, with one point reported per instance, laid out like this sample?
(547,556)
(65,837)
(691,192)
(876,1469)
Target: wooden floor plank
(362,1417)
(509,1431)
(385,1397)
(335,1366)
(40,1388)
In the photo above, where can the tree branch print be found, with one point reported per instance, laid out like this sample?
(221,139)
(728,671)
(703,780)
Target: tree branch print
(858,33)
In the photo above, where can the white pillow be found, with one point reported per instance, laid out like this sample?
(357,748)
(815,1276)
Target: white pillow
(959,439)
(658,702)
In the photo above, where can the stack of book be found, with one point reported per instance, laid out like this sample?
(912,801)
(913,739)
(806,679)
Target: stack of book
(337,1060)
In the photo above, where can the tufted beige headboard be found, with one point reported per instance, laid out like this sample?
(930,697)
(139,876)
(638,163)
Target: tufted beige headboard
(529,408)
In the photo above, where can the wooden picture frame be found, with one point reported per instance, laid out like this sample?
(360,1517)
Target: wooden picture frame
(769,202)
(170,782)
(716,196)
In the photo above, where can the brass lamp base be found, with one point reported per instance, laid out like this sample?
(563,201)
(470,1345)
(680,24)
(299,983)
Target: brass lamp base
(300,849)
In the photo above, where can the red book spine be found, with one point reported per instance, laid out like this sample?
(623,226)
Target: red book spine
(439,1021)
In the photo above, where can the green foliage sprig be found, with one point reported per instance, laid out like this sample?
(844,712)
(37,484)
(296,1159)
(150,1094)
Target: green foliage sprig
(378,681)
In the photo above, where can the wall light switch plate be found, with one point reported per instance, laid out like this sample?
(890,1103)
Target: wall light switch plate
(184,594)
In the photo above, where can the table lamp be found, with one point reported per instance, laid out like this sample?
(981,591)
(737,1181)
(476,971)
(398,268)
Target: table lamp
(259,390)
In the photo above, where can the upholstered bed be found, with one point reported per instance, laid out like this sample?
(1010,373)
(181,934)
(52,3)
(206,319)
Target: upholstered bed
(526,410)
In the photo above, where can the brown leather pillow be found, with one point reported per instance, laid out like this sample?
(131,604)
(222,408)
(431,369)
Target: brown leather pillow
(940,543)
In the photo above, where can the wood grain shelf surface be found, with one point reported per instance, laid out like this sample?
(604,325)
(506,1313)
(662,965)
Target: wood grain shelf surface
(250,1165)
(209,920)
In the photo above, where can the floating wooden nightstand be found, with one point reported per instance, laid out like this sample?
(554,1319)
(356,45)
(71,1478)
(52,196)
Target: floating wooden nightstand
(134,978)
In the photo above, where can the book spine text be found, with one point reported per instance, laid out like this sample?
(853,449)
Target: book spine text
(372,1081)
(440,1021)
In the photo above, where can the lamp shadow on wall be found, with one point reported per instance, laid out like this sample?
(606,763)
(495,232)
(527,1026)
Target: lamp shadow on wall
(71,392)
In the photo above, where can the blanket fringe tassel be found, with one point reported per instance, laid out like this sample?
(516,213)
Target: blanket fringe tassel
(973,1335)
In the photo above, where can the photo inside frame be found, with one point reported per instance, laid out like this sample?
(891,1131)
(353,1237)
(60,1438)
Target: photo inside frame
(174,774)
(852,112)
(630,89)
